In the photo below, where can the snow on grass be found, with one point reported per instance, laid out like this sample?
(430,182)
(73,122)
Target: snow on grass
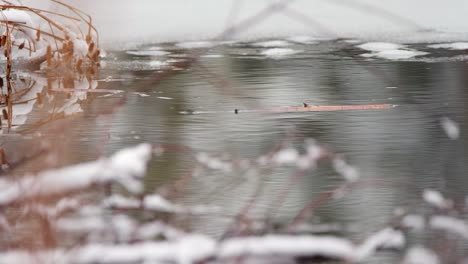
(153,53)
(380,46)
(414,221)
(125,167)
(189,249)
(450,127)
(344,169)
(196,44)
(386,238)
(20,17)
(436,199)
(449,224)
(153,229)
(213,163)
(420,255)
(325,246)
(286,156)
(277,53)
(154,202)
(450,46)
(272,44)
(120,201)
(194,248)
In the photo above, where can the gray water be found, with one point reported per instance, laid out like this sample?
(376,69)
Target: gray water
(405,146)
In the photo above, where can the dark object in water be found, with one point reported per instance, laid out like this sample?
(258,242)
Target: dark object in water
(236,111)
(305,104)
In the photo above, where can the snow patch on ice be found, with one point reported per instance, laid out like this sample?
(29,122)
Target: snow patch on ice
(277,53)
(154,53)
(164,98)
(450,46)
(379,46)
(272,44)
(395,54)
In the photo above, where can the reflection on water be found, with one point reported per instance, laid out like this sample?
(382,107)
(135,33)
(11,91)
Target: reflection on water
(404,147)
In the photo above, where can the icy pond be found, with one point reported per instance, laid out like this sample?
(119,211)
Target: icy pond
(419,143)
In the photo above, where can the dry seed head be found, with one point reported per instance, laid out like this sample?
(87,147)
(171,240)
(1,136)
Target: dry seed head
(5,114)
(38,35)
(49,55)
(39,98)
(3,159)
(3,41)
(91,47)
(78,64)
(96,55)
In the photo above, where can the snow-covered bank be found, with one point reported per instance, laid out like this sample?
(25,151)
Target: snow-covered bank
(199,248)
(124,167)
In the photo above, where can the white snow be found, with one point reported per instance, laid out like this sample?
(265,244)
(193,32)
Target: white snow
(420,255)
(286,156)
(189,249)
(380,46)
(159,203)
(22,18)
(157,64)
(436,199)
(344,169)
(212,56)
(154,53)
(195,248)
(390,51)
(164,98)
(413,221)
(386,238)
(272,44)
(277,53)
(450,46)
(449,224)
(213,163)
(150,230)
(396,54)
(125,167)
(269,245)
(450,127)
(141,94)
(120,201)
